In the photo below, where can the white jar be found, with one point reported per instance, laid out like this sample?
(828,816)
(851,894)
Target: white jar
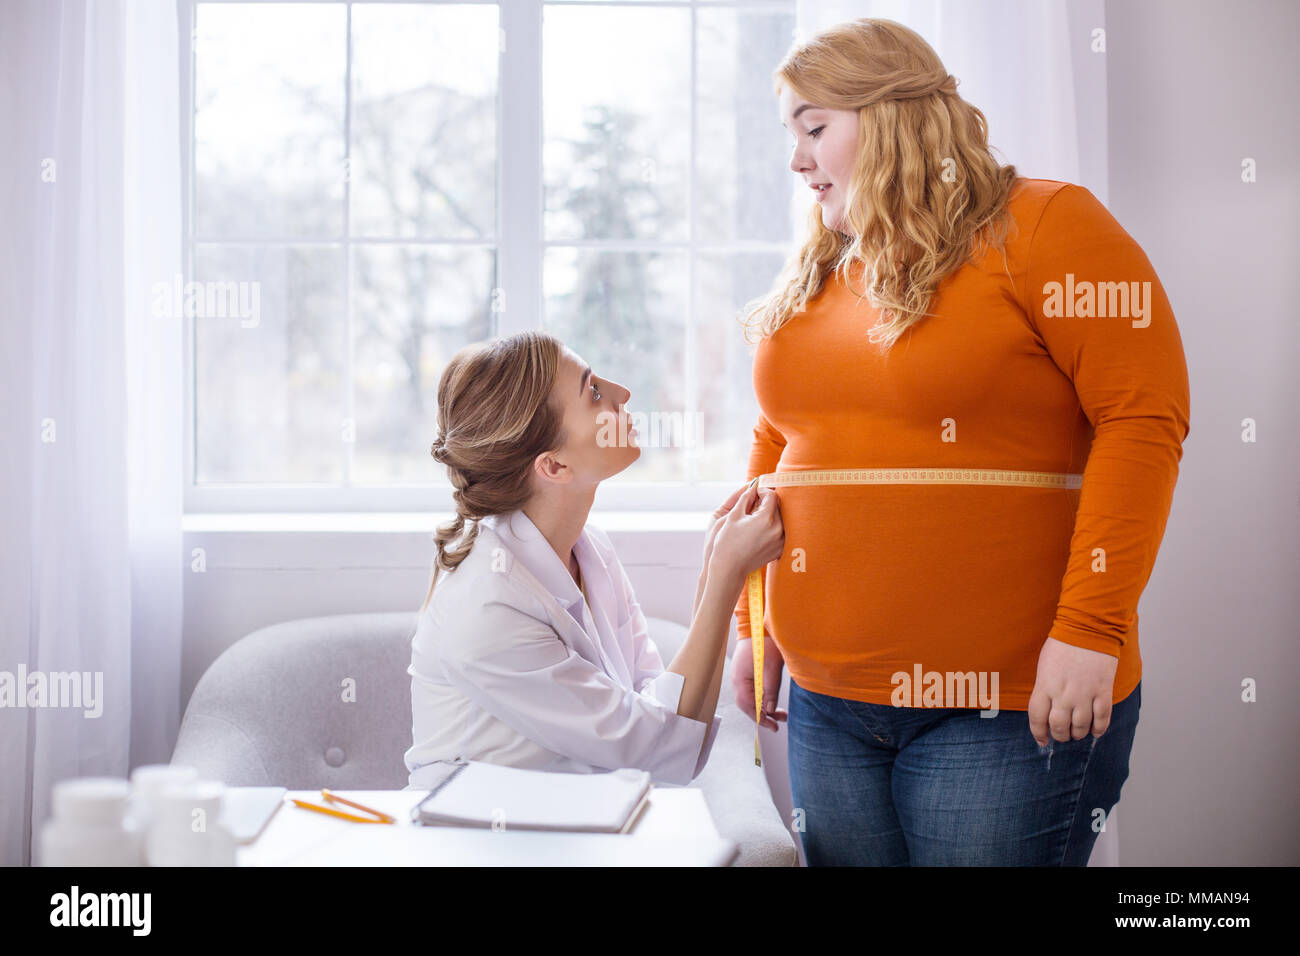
(147,782)
(185,829)
(89,825)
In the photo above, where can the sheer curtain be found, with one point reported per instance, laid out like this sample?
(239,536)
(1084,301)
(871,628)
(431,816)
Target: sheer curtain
(90,486)
(1037,70)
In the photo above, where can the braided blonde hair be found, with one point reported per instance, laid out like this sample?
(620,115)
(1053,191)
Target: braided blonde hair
(495,416)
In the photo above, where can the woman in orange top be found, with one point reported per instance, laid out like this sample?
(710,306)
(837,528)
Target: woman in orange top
(996,362)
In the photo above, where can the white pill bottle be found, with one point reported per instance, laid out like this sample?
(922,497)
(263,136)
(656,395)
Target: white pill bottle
(185,830)
(90,826)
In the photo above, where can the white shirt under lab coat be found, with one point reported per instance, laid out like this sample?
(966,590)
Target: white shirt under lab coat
(509,665)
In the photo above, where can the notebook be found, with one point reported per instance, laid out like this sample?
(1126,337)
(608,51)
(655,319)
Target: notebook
(473,793)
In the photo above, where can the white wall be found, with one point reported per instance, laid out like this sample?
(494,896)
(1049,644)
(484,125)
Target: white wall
(1195,87)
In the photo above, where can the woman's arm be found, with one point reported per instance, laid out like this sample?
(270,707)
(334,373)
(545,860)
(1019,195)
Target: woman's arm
(764,456)
(699,660)
(720,665)
(741,541)
(1123,354)
(715,678)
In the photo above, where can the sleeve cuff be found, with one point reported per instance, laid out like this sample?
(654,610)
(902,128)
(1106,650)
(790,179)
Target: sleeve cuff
(1088,640)
(666,688)
(689,741)
(707,749)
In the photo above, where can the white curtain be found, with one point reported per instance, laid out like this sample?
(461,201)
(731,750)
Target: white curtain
(1037,71)
(90,486)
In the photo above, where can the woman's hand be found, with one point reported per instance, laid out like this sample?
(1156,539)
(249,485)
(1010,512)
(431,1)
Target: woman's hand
(746,542)
(742,679)
(715,521)
(1072,692)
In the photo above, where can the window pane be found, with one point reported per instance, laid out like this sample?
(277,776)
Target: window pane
(414,307)
(744,186)
(274,391)
(724,391)
(616,119)
(268,126)
(424,120)
(269,380)
(624,313)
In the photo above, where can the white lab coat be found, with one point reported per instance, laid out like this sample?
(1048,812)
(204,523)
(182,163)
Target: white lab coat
(511,666)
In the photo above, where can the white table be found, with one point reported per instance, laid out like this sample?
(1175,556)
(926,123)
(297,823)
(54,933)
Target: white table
(675,829)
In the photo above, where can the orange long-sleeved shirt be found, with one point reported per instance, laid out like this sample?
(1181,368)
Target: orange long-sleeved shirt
(1014,373)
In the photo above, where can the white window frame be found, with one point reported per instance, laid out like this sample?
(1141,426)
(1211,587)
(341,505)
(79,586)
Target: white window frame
(519,272)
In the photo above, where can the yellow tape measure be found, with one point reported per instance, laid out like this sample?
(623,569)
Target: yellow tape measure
(875,476)
(756,629)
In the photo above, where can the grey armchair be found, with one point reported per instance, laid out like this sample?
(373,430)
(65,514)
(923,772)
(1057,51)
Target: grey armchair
(267,712)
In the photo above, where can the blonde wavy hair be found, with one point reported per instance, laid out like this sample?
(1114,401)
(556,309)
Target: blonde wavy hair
(924,186)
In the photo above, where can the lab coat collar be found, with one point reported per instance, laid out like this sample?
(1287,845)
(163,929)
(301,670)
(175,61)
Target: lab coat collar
(539,561)
(530,547)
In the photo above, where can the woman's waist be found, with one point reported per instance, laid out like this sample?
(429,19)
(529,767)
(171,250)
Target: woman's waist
(856,473)
(876,543)
(902,508)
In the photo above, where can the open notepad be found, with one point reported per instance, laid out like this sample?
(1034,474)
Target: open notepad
(472,793)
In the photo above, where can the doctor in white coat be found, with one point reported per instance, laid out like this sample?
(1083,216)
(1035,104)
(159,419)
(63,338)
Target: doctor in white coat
(531,649)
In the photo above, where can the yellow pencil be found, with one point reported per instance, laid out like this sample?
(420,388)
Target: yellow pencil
(376,815)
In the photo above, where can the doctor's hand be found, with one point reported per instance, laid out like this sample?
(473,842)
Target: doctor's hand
(746,542)
(1072,692)
(715,521)
(742,679)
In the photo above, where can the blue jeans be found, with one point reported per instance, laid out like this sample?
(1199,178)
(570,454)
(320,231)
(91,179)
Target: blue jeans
(913,786)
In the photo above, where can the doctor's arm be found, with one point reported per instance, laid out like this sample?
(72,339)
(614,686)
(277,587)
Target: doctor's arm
(700,657)
(715,523)
(764,455)
(650,665)
(515,667)
(748,537)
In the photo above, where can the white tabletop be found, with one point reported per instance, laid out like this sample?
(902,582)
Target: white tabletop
(674,830)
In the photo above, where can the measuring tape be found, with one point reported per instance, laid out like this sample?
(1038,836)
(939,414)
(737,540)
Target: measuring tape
(874,476)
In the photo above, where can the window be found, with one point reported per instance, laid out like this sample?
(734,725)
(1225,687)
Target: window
(372,186)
